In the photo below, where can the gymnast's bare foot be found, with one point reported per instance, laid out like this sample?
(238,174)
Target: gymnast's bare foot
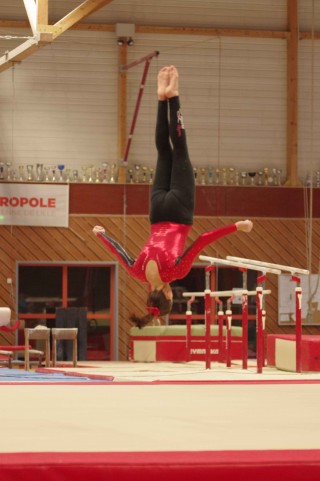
(244,225)
(163,82)
(173,88)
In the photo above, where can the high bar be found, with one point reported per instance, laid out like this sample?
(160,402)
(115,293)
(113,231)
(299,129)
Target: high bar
(214,260)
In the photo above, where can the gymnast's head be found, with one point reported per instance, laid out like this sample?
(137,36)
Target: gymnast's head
(159,303)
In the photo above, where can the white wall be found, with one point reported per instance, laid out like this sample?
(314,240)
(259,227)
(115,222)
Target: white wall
(61,104)
(233,94)
(309,107)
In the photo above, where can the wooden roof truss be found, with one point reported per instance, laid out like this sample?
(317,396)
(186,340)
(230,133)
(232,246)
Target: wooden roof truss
(43,33)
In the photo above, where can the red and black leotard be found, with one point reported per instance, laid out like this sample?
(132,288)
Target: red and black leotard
(165,246)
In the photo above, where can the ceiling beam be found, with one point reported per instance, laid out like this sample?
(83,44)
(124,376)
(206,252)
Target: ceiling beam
(214,32)
(43,13)
(225,32)
(19,53)
(79,13)
(31,10)
(44,33)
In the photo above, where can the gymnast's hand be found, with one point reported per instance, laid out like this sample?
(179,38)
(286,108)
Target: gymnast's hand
(97,229)
(244,225)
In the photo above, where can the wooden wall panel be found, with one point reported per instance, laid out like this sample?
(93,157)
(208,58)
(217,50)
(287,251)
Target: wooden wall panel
(280,241)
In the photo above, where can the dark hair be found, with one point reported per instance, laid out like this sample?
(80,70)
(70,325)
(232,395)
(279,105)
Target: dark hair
(155,299)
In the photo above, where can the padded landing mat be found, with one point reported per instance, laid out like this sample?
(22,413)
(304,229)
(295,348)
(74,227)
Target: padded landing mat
(20,376)
(195,371)
(111,431)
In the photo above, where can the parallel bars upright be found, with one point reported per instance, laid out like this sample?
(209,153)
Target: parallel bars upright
(207,294)
(259,301)
(298,296)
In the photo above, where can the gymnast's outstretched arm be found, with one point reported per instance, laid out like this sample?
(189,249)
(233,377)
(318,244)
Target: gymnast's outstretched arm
(207,238)
(126,260)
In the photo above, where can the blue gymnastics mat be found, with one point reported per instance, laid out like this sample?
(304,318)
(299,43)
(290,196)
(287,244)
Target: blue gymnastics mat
(21,376)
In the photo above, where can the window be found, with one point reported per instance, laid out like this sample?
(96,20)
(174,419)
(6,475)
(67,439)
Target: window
(42,288)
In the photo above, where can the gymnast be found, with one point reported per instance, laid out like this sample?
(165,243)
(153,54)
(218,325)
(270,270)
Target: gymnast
(163,258)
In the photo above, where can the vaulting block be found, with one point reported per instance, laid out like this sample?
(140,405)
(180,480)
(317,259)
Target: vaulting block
(168,343)
(281,352)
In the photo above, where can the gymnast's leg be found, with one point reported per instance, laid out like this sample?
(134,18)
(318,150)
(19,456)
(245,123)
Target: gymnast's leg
(182,187)
(162,179)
